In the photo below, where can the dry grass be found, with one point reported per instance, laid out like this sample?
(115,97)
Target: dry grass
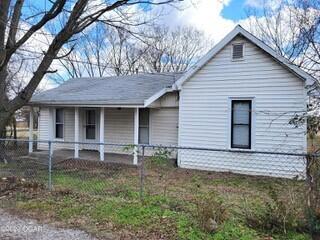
(104,199)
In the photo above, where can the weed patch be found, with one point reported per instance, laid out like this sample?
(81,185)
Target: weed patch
(178,204)
(233,231)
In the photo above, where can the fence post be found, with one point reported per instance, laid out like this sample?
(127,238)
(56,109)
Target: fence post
(50,166)
(142,174)
(313,194)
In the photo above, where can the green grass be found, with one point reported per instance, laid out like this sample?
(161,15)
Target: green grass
(234,231)
(148,216)
(134,214)
(98,203)
(75,182)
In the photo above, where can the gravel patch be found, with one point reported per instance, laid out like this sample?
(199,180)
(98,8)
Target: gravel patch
(14,228)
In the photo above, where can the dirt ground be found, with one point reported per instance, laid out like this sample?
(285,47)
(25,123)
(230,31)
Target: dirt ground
(17,228)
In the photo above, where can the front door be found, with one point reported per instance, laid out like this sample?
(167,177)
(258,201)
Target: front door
(90,125)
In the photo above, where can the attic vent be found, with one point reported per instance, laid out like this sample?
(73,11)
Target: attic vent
(237,51)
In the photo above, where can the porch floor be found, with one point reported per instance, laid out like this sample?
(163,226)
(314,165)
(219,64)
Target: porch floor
(91,155)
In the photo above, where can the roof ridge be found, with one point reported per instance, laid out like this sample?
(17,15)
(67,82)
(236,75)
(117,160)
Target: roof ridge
(173,74)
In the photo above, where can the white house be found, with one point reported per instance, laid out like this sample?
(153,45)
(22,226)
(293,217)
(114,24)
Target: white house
(240,96)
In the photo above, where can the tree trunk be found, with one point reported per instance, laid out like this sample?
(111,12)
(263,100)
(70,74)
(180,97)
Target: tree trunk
(4,120)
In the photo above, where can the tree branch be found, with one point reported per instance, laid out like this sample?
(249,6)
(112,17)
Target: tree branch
(4,9)
(14,23)
(51,14)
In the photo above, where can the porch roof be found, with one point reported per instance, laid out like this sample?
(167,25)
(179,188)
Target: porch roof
(118,90)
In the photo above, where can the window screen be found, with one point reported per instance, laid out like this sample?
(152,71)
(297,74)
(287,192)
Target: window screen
(144,126)
(237,51)
(90,124)
(241,124)
(59,123)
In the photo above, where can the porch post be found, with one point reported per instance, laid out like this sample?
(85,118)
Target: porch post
(31,130)
(101,135)
(136,135)
(76,132)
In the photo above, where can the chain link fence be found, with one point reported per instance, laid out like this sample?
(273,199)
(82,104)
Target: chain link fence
(204,181)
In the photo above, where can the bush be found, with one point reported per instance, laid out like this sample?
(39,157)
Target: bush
(161,156)
(279,214)
(211,212)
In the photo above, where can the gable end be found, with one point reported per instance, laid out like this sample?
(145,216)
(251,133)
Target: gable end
(239,31)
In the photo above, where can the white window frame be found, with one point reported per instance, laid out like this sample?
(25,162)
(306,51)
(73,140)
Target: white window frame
(243,53)
(253,122)
(97,126)
(55,124)
(144,126)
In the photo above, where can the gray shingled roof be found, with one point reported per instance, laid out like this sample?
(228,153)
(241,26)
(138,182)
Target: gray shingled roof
(128,90)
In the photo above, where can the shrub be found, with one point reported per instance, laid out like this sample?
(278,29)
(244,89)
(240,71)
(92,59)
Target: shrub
(211,212)
(129,148)
(279,214)
(161,156)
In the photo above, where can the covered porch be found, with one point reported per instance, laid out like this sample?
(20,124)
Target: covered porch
(103,133)
(94,113)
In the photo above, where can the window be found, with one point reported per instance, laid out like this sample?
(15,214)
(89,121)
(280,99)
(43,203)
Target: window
(237,51)
(59,123)
(241,124)
(90,124)
(144,126)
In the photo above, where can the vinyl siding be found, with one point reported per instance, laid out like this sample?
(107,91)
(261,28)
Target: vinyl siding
(205,113)
(168,100)
(164,126)
(46,122)
(163,129)
(69,124)
(43,128)
(118,128)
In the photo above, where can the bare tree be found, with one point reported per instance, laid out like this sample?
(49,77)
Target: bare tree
(174,50)
(88,57)
(105,51)
(292,28)
(18,26)
(117,51)
(125,52)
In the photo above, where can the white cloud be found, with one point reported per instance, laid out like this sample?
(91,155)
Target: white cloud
(205,15)
(273,4)
(254,3)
